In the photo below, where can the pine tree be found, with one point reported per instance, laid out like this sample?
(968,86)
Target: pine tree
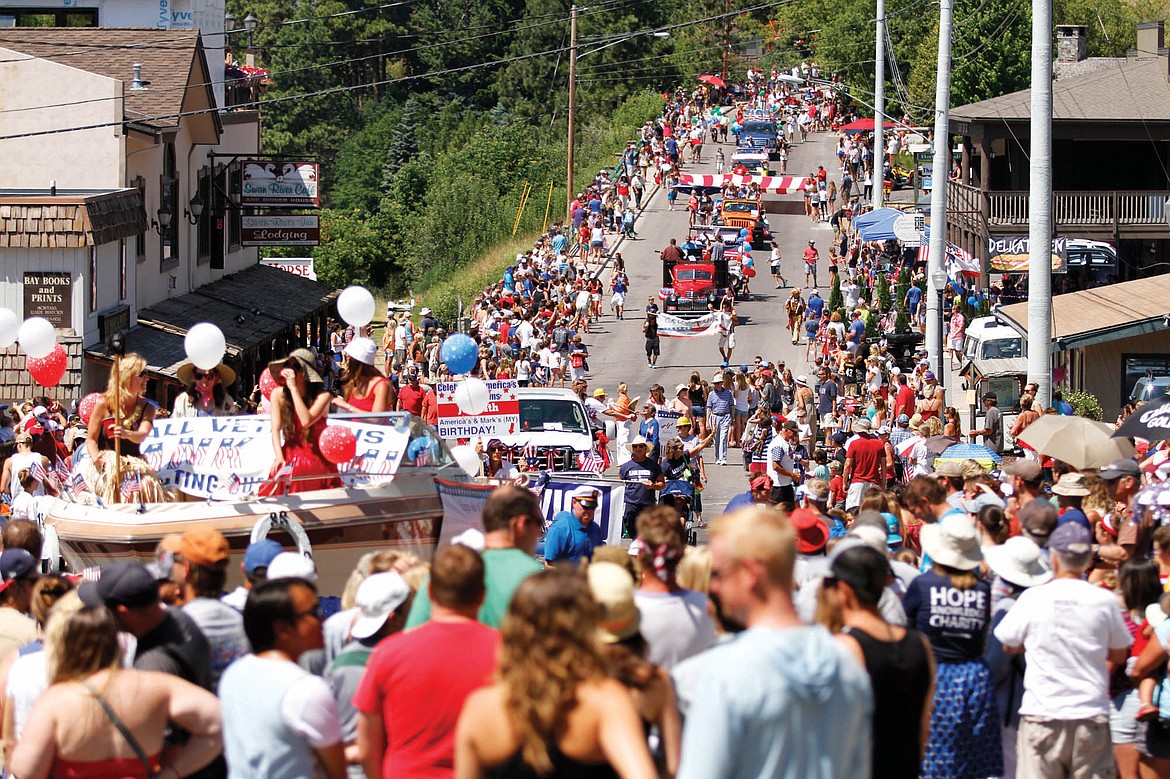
(836,299)
(902,318)
(903,286)
(883,294)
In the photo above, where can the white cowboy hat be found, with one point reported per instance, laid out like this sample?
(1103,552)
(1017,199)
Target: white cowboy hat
(638,440)
(1017,561)
(953,542)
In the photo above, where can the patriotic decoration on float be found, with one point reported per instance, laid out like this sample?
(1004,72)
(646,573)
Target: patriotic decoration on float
(781,185)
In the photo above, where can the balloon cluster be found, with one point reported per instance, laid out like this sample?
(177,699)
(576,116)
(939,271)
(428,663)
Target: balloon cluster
(460,353)
(45,359)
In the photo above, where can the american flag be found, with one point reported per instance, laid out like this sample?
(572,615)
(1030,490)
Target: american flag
(591,462)
(131,486)
(423,457)
(37,471)
(77,485)
(233,484)
(61,468)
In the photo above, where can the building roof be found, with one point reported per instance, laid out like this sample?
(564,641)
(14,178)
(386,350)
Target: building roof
(172,61)
(1132,90)
(69,218)
(1101,314)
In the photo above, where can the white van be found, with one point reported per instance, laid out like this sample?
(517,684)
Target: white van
(553,419)
(986,338)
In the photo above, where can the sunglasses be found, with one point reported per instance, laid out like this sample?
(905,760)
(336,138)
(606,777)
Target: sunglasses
(204,374)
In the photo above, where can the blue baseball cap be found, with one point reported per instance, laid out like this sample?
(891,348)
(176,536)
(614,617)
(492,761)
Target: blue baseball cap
(260,554)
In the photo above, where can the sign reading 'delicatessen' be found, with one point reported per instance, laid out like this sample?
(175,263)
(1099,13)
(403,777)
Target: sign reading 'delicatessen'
(297,230)
(280,183)
(1010,253)
(49,295)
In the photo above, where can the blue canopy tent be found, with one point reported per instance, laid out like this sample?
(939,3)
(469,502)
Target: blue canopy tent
(877,225)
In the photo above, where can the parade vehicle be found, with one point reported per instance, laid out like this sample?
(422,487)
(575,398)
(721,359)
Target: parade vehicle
(755,161)
(745,213)
(691,289)
(554,430)
(986,338)
(758,133)
(389,502)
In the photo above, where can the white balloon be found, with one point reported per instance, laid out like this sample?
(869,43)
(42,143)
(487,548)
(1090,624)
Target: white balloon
(205,345)
(472,396)
(37,337)
(356,306)
(9,327)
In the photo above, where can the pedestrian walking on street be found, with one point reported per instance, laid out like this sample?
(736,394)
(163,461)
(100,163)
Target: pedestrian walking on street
(811,256)
(653,344)
(720,404)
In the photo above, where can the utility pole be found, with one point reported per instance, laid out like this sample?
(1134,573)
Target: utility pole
(879,107)
(726,37)
(936,272)
(572,104)
(1040,206)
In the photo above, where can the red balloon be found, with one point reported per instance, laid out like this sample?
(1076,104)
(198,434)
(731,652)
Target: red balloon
(337,444)
(48,370)
(86,406)
(267,384)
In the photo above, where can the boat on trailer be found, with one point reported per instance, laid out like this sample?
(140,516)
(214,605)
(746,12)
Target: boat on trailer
(399,509)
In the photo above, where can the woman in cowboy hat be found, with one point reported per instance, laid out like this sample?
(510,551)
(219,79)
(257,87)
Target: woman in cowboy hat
(300,405)
(206,394)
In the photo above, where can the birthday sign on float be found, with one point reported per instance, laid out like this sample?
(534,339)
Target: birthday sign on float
(499,417)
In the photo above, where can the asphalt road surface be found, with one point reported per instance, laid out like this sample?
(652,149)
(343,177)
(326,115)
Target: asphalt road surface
(617,347)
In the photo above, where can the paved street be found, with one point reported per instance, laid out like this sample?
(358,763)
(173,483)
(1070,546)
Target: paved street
(618,346)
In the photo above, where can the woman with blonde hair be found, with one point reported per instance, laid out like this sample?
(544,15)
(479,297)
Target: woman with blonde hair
(563,715)
(99,720)
(122,419)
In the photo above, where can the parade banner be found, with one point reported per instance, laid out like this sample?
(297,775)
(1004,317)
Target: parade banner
(557,496)
(671,326)
(500,418)
(462,508)
(227,458)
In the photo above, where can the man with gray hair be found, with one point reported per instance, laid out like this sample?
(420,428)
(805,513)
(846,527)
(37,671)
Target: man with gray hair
(1073,637)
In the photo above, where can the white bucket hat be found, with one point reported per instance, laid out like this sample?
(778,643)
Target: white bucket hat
(953,542)
(1017,561)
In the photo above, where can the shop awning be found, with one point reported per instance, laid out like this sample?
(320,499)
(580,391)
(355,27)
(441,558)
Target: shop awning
(163,351)
(251,307)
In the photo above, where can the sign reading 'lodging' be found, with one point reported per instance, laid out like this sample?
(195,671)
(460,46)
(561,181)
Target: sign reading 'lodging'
(49,295)
(280,183)
(297,230)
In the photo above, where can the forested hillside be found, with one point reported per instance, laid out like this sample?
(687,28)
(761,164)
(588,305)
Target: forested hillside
(432,116)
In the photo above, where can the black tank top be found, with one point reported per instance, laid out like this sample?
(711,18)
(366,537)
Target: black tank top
(900,675)
(563,767)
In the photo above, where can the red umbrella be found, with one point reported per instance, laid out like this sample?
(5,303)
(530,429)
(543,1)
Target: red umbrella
(859,126)
(714,81)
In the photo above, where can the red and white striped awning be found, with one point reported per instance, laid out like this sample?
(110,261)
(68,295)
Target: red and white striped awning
(778,184)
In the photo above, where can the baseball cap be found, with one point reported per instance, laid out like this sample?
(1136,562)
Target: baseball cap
(1071,538)
(292,565)
(612,587)
(812,532)
(949,468)
(39,411)
(16,564)
(260,554)
(204,547)
(1038,519)
(929,375)
(378,597)
(124,583)
(362,349)
(903,420)
(1028,470)
(1119,468)
(586,496)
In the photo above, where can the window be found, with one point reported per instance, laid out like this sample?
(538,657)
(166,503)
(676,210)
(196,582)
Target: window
(169,203)
(140,240)
(1140,370)
(122,271)
(204,226)
(93,274)
(48,17)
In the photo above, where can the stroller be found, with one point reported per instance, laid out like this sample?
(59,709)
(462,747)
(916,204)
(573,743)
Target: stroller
(680,495)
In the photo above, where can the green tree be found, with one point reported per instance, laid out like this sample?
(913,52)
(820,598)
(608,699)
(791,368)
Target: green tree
(883,293)
(836,299)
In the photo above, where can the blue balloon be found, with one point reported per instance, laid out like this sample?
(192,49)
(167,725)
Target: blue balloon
(460,353)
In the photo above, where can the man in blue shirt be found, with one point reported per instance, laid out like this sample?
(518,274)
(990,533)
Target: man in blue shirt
(642,476)
(720,404)
(815,304)
(559,242)
(573,534)
(759,491)
(856,332)
(913,298)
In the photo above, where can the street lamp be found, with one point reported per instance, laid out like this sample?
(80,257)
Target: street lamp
(194,209)
(162,224)
(250,24)
(573,57)
(229,23)
(938,282)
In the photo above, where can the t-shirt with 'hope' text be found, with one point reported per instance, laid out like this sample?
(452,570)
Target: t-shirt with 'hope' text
(955,620)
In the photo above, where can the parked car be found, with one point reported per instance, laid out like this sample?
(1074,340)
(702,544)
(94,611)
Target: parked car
(1150,388)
